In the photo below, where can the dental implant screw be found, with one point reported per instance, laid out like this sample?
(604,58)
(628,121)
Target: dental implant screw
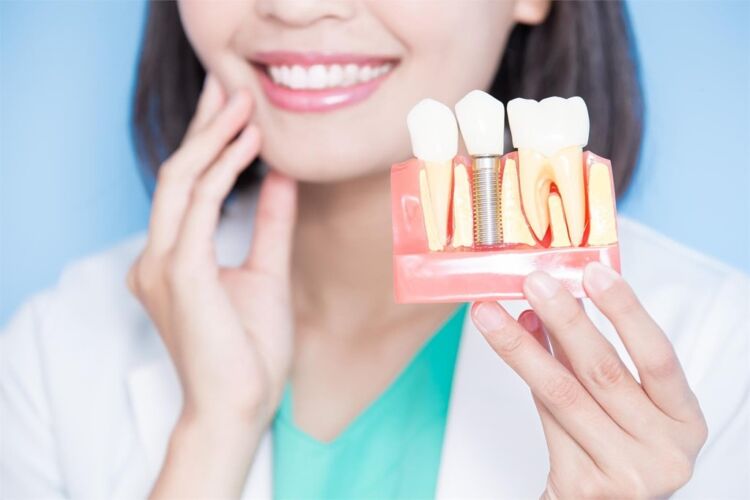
(486,187)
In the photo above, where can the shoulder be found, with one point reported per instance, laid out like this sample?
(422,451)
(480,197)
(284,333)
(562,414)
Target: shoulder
(91,302)
(682,287)
(91,293)
(648,255)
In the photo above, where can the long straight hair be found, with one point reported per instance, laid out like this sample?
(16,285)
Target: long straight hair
(583,48)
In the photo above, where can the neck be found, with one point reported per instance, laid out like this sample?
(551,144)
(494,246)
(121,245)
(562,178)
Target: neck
(342,263)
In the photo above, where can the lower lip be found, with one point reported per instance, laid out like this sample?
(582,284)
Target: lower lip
(309,100)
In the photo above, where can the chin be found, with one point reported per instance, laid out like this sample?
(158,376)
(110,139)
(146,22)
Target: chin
(316,168)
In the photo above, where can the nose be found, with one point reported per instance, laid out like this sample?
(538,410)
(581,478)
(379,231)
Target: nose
(300,13)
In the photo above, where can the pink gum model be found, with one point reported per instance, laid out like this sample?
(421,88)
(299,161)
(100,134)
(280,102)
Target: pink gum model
(469,274)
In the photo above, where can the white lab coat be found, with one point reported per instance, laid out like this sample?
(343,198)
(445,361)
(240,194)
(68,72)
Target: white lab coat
(88,394)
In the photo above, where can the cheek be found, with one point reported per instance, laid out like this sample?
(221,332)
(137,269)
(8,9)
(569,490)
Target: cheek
(211,28)
(458,49)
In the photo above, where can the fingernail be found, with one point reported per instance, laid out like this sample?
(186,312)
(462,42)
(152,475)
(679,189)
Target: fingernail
(599,277)
(530,321)
(541,285)
(488,316)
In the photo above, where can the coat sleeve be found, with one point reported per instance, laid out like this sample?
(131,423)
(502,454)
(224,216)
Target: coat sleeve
(718,371)
(29,465)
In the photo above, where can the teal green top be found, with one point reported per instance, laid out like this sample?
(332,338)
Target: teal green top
(391,450)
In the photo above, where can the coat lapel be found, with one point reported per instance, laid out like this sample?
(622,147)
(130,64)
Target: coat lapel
(494,446)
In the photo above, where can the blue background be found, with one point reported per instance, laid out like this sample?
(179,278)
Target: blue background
(69,182)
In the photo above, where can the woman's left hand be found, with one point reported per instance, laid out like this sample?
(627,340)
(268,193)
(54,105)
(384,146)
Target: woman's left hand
(608,435)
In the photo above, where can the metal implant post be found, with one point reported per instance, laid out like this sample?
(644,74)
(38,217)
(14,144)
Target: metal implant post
(488,229)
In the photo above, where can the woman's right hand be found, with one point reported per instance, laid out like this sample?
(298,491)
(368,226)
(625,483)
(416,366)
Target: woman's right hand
(229,331)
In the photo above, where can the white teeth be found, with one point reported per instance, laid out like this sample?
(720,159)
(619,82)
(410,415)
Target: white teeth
(335,75)
(433,130)
(365,74)
(351,72)
(321,76)
(298,79)
(317,77)
(275,74)
(482,121)
(549,125)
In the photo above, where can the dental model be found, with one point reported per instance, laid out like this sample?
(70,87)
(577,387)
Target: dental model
(434,139)
(473,229)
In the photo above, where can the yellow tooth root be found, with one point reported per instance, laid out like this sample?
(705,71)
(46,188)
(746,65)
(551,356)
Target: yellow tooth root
(428,214)
(439,180)
(463,223)
(603,227)
(567,165)
(536,178)
(515,229)
(557,223)
(565,170)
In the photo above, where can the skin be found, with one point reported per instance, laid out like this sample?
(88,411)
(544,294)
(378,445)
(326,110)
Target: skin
(322,307)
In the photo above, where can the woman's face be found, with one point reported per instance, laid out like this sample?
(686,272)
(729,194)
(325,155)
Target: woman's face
(333,80)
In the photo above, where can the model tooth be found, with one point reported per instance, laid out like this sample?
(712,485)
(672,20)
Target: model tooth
(515,229)
(603,227)
(549,125)
(434,140)
(433,131)
(463,223)
(482,121)
(433,240)
(557,222)
(550,135)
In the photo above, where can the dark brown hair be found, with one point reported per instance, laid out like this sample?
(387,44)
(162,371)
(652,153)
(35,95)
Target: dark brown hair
(583,48)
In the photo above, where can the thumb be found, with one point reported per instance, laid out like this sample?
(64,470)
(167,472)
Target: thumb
(275,215)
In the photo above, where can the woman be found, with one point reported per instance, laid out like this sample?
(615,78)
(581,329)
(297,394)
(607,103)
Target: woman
(175,394)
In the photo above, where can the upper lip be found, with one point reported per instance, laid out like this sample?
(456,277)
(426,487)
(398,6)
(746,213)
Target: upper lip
(289,58)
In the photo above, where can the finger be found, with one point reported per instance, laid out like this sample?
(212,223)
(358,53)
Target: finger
(562,448)
(179,173)
(195,241)
(570,404)
(275,215)
(658,367)
(594,360)
(211,100)
(530,322)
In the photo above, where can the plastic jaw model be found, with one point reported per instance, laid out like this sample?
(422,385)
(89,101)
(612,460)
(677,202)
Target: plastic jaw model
(472,228)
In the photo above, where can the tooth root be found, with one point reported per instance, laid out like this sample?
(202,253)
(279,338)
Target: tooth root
(567,166)
(536,178)
(557,223)
(515,228)
(428,214)
(439,176)
(463,223)
(602,224)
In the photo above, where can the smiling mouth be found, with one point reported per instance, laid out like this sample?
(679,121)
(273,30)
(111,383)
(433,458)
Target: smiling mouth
(307,82)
